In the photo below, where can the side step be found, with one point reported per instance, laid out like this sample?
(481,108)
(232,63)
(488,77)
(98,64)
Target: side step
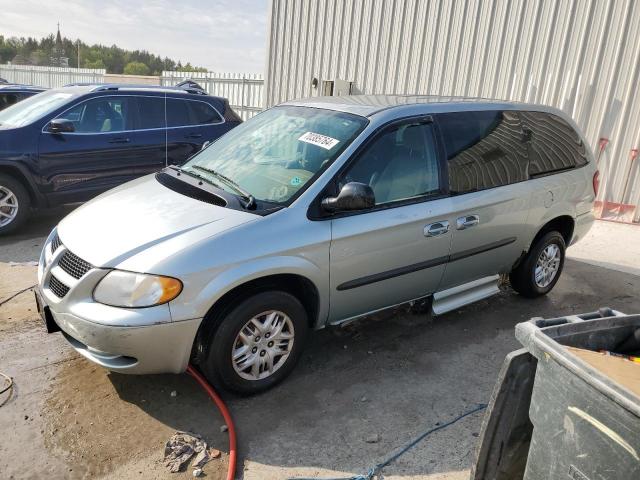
(462,295)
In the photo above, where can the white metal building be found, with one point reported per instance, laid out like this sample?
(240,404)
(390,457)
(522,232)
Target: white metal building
(582,56)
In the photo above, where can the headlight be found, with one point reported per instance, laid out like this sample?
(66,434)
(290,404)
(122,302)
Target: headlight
(133,290)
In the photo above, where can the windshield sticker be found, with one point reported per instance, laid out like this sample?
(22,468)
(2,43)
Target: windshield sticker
(295,181)
(319,140)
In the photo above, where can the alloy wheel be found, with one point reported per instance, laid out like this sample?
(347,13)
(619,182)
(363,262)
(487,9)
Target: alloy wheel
(263,345)
(8,206)
(547,265)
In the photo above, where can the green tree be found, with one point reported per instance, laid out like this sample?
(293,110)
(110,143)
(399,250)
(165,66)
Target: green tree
(189,68)
(136,68)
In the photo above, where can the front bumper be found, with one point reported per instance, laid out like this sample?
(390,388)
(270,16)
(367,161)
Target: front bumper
(162,348)
(126,340)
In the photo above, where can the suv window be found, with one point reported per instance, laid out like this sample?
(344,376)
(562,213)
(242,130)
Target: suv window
(182,113)
(554,144)
(485,149)
(202,113)
(177,113)
(150,113)
(100,115)
(401,163)
(8,99)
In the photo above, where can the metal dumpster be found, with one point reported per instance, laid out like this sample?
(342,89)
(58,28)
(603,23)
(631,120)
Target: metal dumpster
(559,412)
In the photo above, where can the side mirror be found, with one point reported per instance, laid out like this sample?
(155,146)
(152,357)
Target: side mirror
(206,144)
(61,125)
(353,196)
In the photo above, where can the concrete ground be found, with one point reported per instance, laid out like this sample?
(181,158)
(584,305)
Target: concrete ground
(392,376)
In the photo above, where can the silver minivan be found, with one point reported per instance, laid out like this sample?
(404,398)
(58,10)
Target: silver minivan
(314,213)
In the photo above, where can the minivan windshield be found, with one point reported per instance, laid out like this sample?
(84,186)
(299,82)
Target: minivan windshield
(31,109)
(276,153)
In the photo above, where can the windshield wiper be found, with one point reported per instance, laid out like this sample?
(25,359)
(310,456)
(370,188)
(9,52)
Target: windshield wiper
(250,199)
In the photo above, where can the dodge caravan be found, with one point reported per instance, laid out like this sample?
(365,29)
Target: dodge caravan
(314,213)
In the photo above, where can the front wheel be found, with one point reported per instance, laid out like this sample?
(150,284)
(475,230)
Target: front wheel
(15,204)
(257,343)
(540,270)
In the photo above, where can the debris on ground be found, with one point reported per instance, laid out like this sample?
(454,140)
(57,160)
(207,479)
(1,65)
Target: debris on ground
(223,428)
(182,446)
(375,438)
(174,393)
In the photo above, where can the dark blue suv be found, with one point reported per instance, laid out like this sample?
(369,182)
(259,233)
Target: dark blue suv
(69,144)
(11,93)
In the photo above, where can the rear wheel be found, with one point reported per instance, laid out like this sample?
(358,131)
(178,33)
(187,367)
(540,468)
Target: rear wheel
(15,204)
(257,343)
(539,272)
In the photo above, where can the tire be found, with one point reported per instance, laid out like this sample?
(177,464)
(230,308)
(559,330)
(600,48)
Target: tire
(218,365)
(18,204)
(523,277)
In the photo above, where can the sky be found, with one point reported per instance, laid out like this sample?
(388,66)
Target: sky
(221,35)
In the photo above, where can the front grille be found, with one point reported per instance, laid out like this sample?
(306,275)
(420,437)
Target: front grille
(58,288)
(55,243)
(74,265)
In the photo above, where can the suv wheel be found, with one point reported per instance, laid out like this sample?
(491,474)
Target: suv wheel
(540,270)
(257,344)
(15,204)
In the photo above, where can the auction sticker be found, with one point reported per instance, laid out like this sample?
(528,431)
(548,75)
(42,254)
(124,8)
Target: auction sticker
(319,140)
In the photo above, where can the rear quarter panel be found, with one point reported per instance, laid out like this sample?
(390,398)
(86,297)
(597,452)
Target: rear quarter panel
(566,193)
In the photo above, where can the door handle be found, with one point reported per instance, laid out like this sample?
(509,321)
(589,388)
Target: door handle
(193,135)
(436,228)
(467,221)
(119,140)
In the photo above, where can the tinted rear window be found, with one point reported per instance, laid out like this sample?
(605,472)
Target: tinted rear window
(485,149)
(202,113)
(554,144)
(177,113)
(150,112)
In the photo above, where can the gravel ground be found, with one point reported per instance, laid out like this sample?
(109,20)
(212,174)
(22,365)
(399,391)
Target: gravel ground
(389,377)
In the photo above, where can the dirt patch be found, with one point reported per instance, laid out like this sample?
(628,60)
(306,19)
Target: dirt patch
(96,421)
(17,304)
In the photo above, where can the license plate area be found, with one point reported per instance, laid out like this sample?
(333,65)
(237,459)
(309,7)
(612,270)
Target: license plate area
(46,315)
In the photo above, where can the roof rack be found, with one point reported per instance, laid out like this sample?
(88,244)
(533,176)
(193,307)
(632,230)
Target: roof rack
(187,86)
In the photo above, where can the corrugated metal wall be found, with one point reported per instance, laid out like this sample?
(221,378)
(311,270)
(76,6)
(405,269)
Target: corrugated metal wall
(582,56)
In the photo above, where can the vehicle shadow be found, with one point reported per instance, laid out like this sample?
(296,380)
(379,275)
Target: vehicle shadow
(383,380)
(26,244)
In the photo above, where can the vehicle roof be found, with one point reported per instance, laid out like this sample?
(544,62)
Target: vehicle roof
(20,87)
(368,105)
(84,88)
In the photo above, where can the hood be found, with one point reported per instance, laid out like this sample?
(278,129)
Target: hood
(139,215)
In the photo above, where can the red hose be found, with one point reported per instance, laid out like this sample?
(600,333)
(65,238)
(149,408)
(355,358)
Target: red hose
(231,472)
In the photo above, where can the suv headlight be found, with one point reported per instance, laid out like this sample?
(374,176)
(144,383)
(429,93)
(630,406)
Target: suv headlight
(135,290)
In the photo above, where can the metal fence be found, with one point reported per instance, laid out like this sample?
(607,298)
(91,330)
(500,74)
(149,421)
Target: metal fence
(244,91)
(50,77)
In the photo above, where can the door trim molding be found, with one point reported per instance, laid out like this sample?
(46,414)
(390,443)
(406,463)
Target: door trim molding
(415,267)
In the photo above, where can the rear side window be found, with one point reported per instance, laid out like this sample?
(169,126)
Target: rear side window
(177,113)
(554,145)
(202,113)
(485,149)
(150,112)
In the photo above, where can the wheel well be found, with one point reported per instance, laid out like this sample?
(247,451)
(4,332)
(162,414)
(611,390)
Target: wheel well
(563,224)
(19,176)
(300,287)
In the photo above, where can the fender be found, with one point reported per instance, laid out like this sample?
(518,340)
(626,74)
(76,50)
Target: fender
(198,304)
(22,173)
